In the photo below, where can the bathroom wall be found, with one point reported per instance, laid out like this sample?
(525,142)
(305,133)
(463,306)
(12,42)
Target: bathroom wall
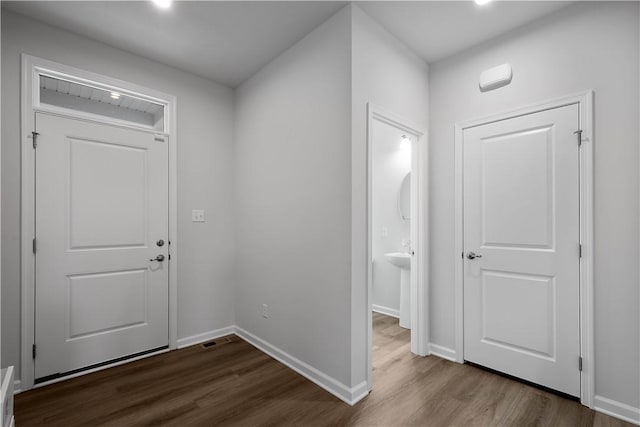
(588,45)
(391,163)
(205,181)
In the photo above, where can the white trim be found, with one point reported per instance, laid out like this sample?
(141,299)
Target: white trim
(30,65)
(349,395)
(17,389)
(419,231)
(205,336)
(584,100)
(442,352)
(385,310)
(616,409)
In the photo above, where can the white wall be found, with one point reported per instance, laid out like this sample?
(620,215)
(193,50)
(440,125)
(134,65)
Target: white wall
(292,184)
(386,73)
(391,163)
(585,46)
(301,181)
(205,180)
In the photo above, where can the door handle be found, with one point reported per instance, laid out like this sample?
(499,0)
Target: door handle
(473,255)
(159,258)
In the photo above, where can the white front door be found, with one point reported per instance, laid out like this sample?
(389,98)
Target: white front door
(101,211)
(521,220)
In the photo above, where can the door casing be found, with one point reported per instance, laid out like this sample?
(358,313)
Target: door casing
(31,67)
(419,233)
(584,100)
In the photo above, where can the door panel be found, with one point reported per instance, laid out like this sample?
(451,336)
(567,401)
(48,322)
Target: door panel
(101,204)
(116,201)
(521,215)
(105,302)
(516,164)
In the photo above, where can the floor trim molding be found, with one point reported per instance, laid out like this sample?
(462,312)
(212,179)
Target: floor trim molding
(349,395)
(386,310)
(617,409)
(443,352)
(205,336)
(17,388)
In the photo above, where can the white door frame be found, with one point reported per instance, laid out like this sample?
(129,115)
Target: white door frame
(31,67)
(584,100)
(419,275)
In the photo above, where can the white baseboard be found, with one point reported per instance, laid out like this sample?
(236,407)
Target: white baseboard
(386,310)
(350,395)
(441,351)
(617,409)
(205,336)
(17,387)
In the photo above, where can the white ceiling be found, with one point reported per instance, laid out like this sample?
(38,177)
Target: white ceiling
(437,29)
(223,41)
(229,41)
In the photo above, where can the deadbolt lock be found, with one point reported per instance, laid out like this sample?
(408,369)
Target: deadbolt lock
(160,242)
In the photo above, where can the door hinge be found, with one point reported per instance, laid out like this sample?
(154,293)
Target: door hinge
(579,250)
(580,363)
(33,351)
(579,133)
(34,137)
(34,245)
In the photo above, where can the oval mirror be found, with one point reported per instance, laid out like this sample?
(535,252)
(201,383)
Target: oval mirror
(404,198)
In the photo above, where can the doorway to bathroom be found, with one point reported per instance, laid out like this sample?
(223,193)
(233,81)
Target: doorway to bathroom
(397,236)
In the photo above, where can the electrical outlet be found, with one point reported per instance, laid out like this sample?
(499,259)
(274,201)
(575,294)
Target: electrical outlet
(265,310)
(197,215)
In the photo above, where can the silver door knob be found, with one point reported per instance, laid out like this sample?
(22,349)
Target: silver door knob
(159,258)
(473,255)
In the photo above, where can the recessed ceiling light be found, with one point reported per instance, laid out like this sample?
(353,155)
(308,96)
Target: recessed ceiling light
(115,95)
(482,2)
(162,4)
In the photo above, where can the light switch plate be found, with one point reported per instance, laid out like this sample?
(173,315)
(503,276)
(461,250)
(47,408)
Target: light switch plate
(197,215)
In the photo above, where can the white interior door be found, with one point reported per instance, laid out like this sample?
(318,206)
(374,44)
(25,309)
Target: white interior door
(101,208)
(521,219)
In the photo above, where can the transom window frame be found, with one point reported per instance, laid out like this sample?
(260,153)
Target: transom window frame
(101,83)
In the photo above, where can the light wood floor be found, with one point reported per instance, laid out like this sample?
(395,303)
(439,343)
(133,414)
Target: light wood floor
(232,383)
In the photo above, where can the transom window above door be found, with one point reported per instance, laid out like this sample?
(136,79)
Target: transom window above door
(104,104)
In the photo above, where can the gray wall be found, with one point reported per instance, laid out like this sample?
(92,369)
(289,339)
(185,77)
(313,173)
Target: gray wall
(293,200)
(386,73)
(585,46)
(391,163)
(205,157)
(301,187)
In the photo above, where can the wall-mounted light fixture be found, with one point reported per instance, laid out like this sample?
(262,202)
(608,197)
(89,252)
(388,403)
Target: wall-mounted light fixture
(482,2)
(405,143)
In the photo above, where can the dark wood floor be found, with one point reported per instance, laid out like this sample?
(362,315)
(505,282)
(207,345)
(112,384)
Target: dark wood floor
(232,383)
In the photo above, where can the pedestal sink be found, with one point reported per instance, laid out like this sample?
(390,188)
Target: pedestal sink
(402,260)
